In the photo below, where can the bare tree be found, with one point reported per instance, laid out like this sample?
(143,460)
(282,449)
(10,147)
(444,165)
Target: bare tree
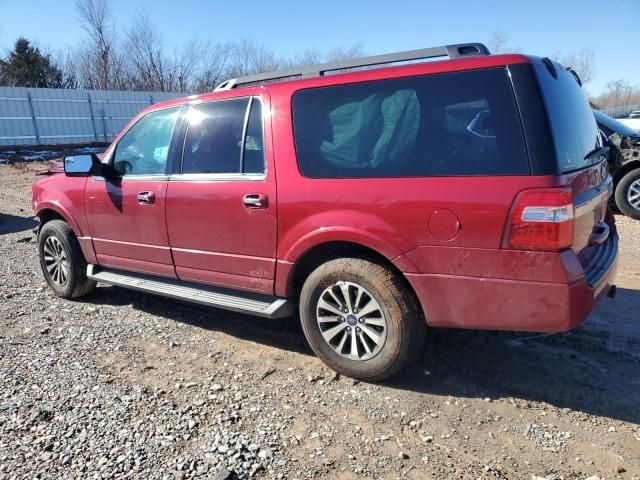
(619,93)
(100,64)
(67,63)
(500,42)
(344,53)
(246,58)
(310,56)
(582,61)
(186,63)
(148,69)
(223,61)
(314,56)
(152,67)
(212,66)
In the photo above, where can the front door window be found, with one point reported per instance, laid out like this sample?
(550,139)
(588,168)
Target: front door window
(144,148)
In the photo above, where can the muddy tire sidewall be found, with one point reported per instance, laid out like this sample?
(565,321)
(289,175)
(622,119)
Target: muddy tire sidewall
(398,308)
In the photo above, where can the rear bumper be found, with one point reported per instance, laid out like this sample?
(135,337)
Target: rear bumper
(457,301)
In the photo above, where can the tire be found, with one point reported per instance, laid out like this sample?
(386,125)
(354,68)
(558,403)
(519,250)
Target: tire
(395,322)
(626,187)
(62,262)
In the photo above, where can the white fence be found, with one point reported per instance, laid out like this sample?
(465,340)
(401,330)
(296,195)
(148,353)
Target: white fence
(620,112)
(39,116)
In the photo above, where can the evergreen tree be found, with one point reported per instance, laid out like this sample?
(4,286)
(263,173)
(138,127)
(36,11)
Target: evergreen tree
(26,66)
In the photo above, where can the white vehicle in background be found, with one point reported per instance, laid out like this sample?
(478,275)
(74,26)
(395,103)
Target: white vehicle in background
(632,121)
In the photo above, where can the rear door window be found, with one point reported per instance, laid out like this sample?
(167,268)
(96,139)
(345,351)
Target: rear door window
(253,154)
(214,137)
(463,123)
(224,137)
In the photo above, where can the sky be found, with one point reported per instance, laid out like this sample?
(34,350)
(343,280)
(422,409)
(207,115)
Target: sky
(540,27)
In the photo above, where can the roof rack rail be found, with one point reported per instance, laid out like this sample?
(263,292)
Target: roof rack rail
(452,51)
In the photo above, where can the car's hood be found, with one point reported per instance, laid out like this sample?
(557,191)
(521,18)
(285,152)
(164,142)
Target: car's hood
(53,169)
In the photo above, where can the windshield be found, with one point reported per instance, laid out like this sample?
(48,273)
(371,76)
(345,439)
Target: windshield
(575,132)
(611,125)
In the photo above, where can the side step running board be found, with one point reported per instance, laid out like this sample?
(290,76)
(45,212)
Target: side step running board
(237,301)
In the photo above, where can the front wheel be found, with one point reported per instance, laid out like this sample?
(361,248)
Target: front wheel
(62,261)
(360,319)
(627,194)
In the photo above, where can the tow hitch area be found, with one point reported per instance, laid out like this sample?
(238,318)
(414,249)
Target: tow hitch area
(612,292)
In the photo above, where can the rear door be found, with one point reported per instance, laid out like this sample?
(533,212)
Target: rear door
(126,215)
(221,206)
(581,156)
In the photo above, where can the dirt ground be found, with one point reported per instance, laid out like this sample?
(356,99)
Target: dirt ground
(478,405)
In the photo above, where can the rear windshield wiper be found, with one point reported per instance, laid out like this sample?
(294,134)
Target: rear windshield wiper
(597,154)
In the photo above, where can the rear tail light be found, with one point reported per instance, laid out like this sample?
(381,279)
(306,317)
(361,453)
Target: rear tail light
(541,220)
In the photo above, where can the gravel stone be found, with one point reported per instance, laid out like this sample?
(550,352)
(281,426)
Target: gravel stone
(122,385)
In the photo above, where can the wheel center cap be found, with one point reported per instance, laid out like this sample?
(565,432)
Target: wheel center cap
(352,320)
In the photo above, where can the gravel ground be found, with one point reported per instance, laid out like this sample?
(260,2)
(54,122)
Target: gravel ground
(126,385)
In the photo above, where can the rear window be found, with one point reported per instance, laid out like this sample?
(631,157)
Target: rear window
(463,123)
(574,128)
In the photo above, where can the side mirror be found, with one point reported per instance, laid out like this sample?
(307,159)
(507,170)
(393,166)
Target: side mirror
(81,165)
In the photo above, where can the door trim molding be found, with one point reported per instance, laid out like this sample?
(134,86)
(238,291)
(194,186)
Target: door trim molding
(217,177)
(134,178)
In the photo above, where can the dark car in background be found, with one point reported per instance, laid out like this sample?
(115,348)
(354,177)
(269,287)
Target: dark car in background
(624,163)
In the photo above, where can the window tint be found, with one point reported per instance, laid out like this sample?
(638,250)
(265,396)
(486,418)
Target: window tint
(254,142)
(575,132)
(144,148)
(463,123)
(214,137)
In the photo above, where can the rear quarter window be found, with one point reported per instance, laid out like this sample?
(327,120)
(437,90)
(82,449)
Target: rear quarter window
(463,123)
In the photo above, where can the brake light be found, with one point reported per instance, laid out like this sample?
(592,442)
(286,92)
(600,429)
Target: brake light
(541,220)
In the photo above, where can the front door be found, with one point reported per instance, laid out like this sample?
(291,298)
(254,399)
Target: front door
(126,216)
(221,207)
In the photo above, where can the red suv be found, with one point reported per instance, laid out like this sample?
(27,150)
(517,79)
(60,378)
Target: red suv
(469,193)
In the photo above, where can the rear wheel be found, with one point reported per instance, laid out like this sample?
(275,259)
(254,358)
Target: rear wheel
(360,319)
(627,194)
(62,261)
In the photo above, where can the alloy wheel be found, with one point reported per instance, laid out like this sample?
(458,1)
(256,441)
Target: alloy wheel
(351,321)
(56,261)
(633,194)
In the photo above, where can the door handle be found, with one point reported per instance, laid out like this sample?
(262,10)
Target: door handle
(146,197)
(255,200)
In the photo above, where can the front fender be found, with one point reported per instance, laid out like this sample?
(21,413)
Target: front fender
(64,196)
(62,211)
